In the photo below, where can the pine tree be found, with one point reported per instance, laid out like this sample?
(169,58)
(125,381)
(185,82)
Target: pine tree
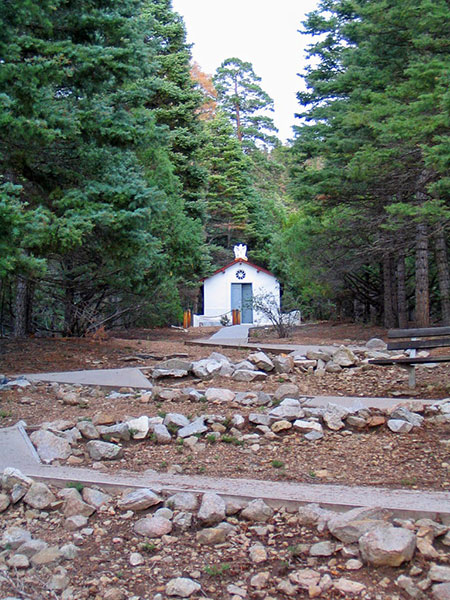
(229,192)
(76,133)
(371,144)
(246,104)
(176,101)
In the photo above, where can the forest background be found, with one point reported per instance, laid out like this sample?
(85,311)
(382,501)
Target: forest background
(127,174)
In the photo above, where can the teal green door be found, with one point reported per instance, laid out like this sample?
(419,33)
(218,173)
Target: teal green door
(242,298)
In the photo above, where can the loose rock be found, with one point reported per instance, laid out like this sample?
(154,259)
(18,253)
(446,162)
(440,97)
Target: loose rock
(182,587)
(212,509)
(390,546)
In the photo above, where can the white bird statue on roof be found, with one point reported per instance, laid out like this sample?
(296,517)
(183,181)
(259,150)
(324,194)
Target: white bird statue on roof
(240,252)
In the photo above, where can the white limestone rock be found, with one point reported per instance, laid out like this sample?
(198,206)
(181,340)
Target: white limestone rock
(237,421)
(261,361)
(75,522)
(88,430)
(120,431)
(349,587)
(257,398)
(306,426)
(4,502)
(183,587)
(32,547)
(405,414)
(50,447)
(286,390)
(206,368)
(260,419)
(18,561)
(283,364)
(176,419)
(439,573)
(323,355)
(289,408)
(325,548)
(160,373)
(197,426)
(334,415)
(39,496)
(257,553)
(348,527)
(247,375)
(12,477)
(387,546)
(162,434)
(139,427)
(13,537)
(212,509)
(219,395)
(153,527)
(99,450)
(305,578)
(257,510)
(344,357)
(74,503)
(211,536)
(140,499)
(441,591)
(94,497)
(399,426)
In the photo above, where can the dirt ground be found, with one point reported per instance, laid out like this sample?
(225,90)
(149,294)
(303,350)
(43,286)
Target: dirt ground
(368,457)
(373,457)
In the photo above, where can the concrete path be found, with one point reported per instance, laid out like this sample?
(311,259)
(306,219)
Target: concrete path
(128,377)
(356,401)
(235,334)
(273,348)
(403,503)
(134,378)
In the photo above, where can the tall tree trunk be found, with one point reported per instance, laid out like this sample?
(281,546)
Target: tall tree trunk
(443,275)
(422,312)
(69,311)
(29,307)
(387,292)
(20,308)
(238,113)
(402,309)
(394,288)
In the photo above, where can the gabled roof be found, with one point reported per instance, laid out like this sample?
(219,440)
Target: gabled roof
(238,261)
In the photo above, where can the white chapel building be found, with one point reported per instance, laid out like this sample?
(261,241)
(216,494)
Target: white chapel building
(234,286)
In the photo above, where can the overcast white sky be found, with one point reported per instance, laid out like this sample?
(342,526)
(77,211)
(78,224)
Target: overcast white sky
(263,32)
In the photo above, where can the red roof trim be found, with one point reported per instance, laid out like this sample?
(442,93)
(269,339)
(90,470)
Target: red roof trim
(237,261)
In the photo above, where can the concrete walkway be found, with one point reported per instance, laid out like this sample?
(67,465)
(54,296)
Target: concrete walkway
(366,401)
(235,334)
(16,451)
(128,377)
(134,378)
(273,348)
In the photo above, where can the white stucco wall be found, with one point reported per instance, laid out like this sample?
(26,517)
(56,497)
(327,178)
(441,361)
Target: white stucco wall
(217,290)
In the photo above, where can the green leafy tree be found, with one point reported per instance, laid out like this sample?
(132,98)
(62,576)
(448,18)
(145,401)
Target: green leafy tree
(176,100)
(246,104)
(229,195)
(372,136)
(76,133)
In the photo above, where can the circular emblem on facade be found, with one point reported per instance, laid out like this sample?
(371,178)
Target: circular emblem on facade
(240,274)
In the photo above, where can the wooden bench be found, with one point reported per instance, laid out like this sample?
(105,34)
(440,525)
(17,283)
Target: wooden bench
(413,340)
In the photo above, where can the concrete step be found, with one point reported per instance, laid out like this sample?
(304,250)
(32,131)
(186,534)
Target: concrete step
(403,503)
(127,377)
